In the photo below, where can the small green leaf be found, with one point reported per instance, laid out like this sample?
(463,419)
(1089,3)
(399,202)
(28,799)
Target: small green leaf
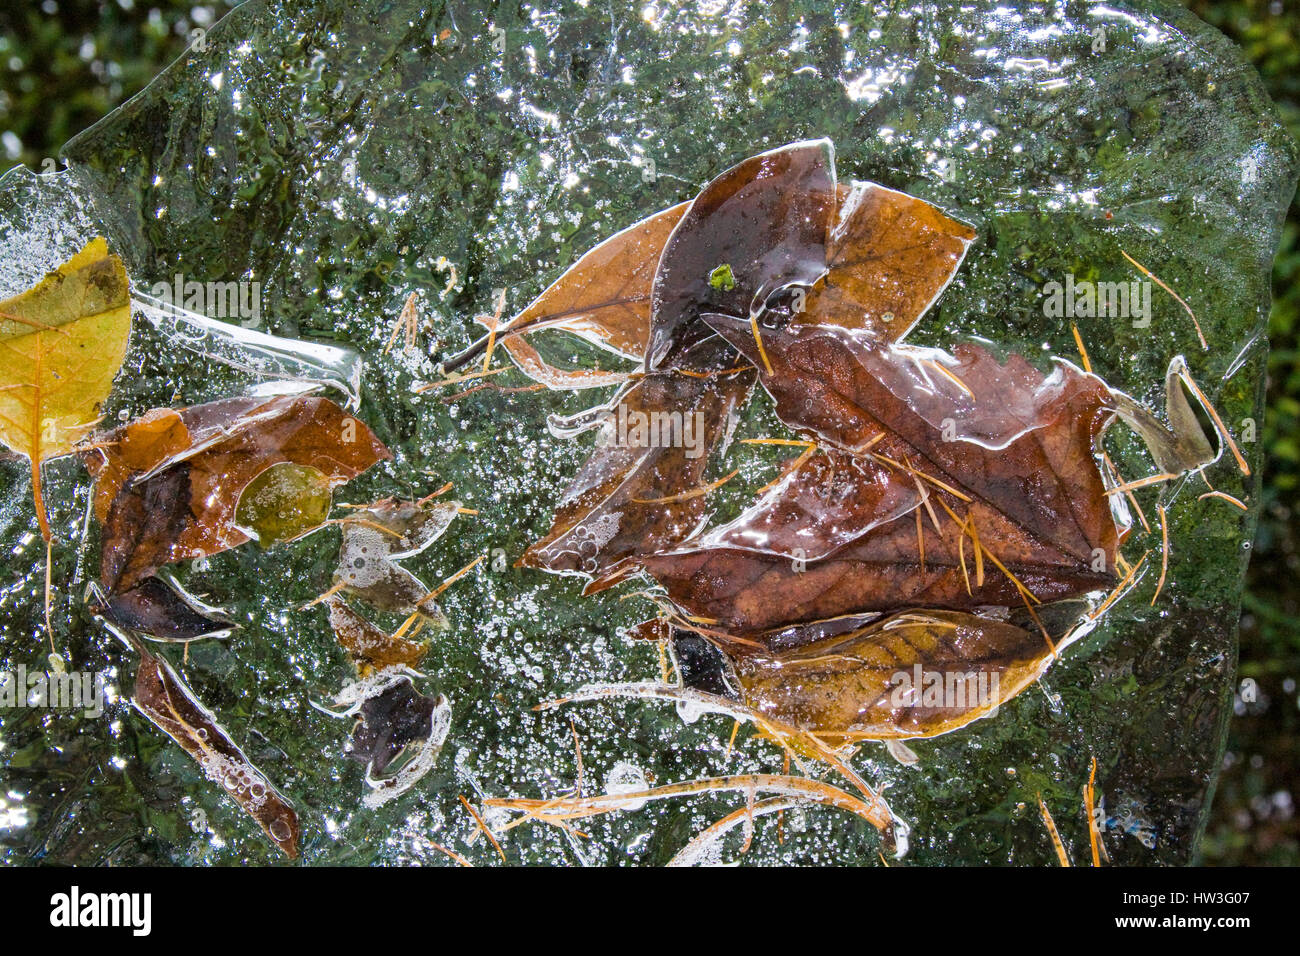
(722,279)
(284,502)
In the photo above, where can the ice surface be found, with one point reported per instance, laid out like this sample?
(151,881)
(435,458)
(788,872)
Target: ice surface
(342,153)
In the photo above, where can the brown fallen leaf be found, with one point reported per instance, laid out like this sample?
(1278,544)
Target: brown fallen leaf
(371,648)
(656,441)
(165,699)
(915,673)
(889,256)
(603,298)
(1018,477)
(168,485)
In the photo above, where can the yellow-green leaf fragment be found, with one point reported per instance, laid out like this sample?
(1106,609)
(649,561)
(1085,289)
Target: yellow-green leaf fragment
(284,502)
(61,345)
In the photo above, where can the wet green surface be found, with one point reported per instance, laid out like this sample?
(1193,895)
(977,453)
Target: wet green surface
(337,152)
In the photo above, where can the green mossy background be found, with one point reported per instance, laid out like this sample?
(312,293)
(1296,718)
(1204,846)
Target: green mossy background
(64,64)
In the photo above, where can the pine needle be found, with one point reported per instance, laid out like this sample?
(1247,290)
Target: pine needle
(1132,499)
(789,468)
(1141,483)
(457,379)
(1154,278)
(451,853)
(1226,497)
(1083,352)
(1164,552)
(731,742)
(1053,833)
(1090,803)
(483,826)
(687,495)
(947,373)
(1218,423)
(758,340)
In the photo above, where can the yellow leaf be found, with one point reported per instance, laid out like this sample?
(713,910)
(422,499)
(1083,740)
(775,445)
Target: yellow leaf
(61,344)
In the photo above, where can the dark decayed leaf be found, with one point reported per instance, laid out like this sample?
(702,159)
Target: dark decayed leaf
(168,485)
(165,699)
(165,612)
(390,721)
(399,733)
(629,497)
(766,221)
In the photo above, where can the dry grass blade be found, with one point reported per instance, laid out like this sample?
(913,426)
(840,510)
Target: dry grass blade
(695,851)
(574,808)
(789,738)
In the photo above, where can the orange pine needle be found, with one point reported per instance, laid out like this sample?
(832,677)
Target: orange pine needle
(1226,497)
(1120,588)
(758,340)
(451,853)
(920,474)
(456,379)
(1141,483)
(456,577)
(324,597)
(1083,352)
(796,442)
(1164,552)
(436,494)
(1218,423)
(1090,802)
(1132,499)
(735,727)
(577,751)
(1057,845)
(687,495)
(949,375)
(789,468)
(365,523)
(483,826)
(1154,278)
